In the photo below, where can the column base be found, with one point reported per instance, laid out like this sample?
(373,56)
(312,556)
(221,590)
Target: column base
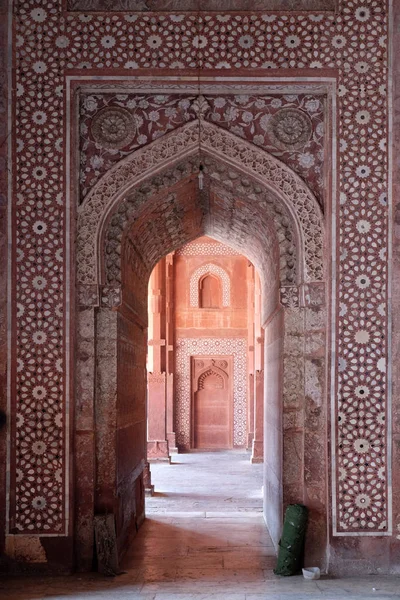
(173,448)
(157,450)
(257,452)
(148,486)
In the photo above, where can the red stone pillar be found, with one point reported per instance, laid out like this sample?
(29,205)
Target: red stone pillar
(157,444)
(170,355)
(257,454)
(250,353)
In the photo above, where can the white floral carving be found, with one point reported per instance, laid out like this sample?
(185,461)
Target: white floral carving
(254,161)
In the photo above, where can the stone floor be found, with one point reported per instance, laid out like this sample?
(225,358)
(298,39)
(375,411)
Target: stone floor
(201,542)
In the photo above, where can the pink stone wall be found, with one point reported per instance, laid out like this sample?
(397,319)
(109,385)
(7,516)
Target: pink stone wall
(273,420)
(350,47)
(221,331)
(394,556)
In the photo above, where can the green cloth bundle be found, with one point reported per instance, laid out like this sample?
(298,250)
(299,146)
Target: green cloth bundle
(291,544)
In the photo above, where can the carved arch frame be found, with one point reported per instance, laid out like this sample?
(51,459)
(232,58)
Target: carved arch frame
(202,271)
(255,162)
(309,294)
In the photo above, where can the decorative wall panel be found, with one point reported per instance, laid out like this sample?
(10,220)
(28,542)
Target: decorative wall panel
(194,5)
(353,43)
(288,126)
(207,249)
(187,347)
(203,270)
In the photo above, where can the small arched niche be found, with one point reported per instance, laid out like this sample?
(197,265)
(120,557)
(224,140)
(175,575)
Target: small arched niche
(210,291)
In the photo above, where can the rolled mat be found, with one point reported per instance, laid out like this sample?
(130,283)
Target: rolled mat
(291,544)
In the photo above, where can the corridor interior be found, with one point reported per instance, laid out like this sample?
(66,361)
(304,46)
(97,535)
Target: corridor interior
(203,538)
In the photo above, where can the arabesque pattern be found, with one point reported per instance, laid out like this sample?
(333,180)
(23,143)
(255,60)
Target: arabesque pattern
(184,142)
(143,118)
(353,41)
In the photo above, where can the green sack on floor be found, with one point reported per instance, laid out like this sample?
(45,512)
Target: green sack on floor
(291,544)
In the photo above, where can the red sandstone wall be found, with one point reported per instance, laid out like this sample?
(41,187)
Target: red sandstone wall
(229,322)
(196,322)
(130,431)
(394,556)
(131,424)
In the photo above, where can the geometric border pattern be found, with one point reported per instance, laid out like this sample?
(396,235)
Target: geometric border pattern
(46,43)
(187,347)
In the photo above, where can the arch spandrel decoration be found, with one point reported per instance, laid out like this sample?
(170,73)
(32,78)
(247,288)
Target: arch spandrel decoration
(214,270)
(171,148)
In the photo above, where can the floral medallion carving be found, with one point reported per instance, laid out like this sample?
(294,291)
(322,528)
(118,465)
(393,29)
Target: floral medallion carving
(290,128)
(113,127)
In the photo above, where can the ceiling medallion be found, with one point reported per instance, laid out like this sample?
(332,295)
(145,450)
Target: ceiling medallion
(290,128)
(113,127)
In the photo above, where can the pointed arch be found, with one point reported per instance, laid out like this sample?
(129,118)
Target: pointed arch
(205,270)
(252,161)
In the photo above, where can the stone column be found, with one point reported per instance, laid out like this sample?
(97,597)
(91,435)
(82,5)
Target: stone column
(250,352)
(85,427)
(257,454)
(170,354)
(157,444)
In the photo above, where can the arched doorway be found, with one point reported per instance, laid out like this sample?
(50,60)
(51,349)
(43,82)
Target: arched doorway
(147,206)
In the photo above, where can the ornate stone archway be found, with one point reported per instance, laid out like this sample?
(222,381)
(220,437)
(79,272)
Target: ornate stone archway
(112,268)
(171,148)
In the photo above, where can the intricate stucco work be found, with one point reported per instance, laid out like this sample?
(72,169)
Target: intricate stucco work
(204,270)
(251,161)
(113,127)
(252,117)
(187,347)
(48,44)
(291,128)
(228,187)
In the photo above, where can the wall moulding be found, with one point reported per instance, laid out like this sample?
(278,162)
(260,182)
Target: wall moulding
(160,6)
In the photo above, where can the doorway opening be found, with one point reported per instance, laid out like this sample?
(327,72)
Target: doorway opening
(205,345)
(202,360)
(148,207)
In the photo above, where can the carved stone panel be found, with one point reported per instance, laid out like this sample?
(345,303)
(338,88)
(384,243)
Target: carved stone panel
(212,402)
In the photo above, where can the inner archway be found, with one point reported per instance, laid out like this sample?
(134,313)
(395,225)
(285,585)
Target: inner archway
(152,204)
